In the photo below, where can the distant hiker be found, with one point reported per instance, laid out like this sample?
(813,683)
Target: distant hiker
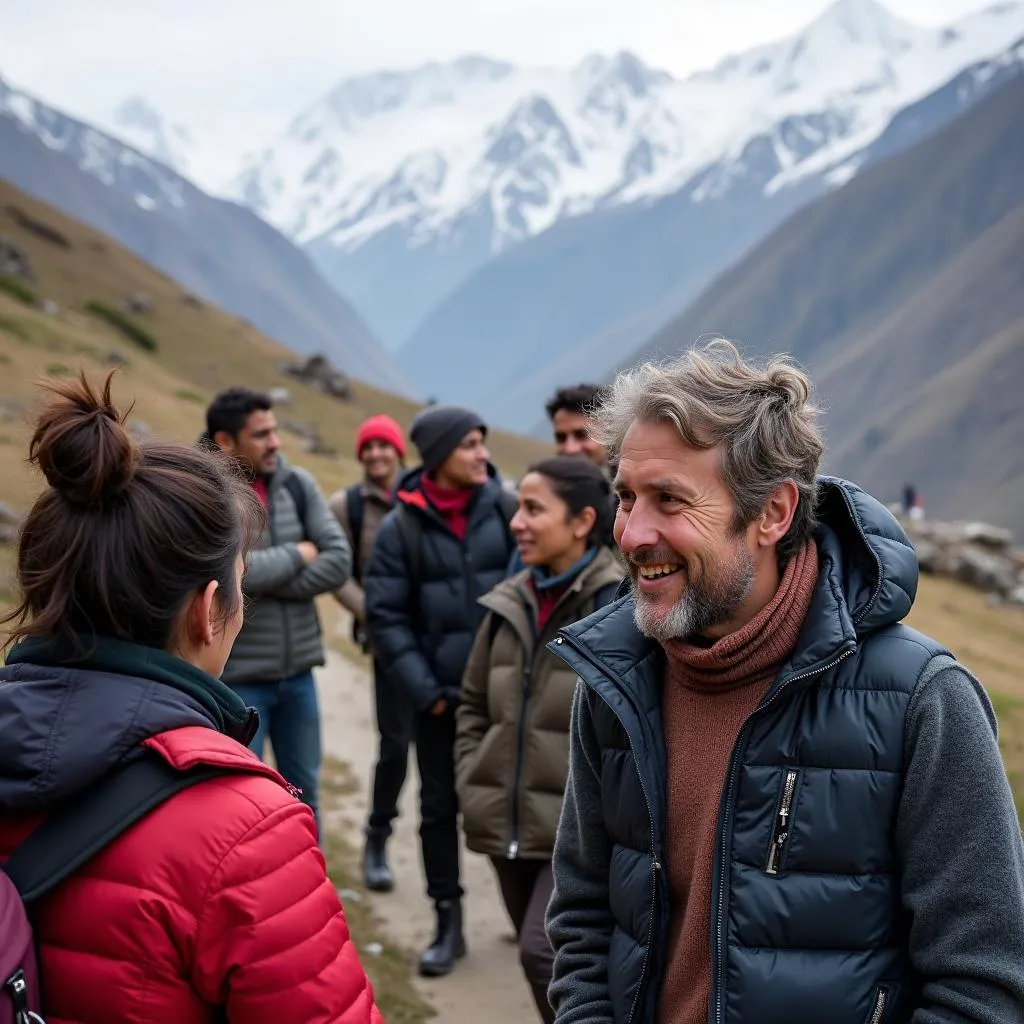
(442,548)
(783,804)
(571,411)
(909,498)
(512,727)
(301,554)
(201,895)
(360,509)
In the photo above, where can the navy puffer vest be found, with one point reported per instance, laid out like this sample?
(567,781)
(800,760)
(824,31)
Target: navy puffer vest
(807,925)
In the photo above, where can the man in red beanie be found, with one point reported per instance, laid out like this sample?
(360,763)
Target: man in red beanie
(380,447)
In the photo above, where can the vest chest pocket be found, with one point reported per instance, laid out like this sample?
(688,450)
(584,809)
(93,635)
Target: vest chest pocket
(782,825)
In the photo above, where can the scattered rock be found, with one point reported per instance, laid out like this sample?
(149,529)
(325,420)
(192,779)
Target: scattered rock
(49,308)
(280,396)
(978,554)
(38,228)
(139,429)
(139,303)
(12,409)
(373,949)
(10,524)
(191,301)
(317,373)
(313,443)
(349,896)
(114,358)
(14,261)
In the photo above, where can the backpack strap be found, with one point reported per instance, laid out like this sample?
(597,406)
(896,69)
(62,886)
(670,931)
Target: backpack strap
(293,485)
(78,831)
(354,508)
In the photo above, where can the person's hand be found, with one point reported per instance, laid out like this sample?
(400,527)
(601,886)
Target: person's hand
(309,551)
(439,707)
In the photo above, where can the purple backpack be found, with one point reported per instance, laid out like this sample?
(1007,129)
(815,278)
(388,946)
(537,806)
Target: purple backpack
(57,848)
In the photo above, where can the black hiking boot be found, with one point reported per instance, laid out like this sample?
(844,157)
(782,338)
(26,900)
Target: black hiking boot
(439,957)
(377,875)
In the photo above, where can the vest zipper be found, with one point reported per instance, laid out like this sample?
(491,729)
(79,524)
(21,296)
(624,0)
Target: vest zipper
(655,862)
(780,833)
(881,998)
(718,907)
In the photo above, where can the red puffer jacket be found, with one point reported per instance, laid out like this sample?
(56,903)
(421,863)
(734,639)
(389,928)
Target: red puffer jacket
(218,898)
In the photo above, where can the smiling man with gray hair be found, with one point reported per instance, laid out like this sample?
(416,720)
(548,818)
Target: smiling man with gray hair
(783,806)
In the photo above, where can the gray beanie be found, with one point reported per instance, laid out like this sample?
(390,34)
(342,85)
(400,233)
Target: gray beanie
(438,430)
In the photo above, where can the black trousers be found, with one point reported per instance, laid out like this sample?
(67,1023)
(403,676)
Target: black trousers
(526,887)
(439,806)
(395,724)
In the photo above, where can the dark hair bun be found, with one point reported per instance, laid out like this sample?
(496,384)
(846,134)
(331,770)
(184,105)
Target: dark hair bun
(81,443)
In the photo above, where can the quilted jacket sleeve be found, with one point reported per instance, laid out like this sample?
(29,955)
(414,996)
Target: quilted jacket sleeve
(333,566)
(272,945)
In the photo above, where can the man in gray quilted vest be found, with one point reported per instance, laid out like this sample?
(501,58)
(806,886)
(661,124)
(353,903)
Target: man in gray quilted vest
(784,806)
(301,554)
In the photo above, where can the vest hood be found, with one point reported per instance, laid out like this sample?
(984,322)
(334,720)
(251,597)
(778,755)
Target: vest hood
(867,580)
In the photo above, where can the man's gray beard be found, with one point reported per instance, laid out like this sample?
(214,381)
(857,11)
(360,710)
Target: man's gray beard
(713,600)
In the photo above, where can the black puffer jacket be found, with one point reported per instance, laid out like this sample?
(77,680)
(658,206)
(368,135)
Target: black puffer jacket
(422,640)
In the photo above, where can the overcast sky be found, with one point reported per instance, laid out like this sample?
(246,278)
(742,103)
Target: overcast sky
(204,62)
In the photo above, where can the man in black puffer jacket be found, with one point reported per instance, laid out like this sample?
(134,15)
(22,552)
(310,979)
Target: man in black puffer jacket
(445,545)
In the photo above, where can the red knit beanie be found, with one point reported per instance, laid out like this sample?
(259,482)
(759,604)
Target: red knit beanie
(380,428)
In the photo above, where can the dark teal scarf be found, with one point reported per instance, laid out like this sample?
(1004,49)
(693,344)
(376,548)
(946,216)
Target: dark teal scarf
(227,711)
(542,580)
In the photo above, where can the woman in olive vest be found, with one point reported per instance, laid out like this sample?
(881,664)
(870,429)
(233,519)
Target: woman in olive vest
(512,743)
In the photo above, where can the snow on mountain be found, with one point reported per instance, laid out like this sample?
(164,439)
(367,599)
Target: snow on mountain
(420,151)
(137,122)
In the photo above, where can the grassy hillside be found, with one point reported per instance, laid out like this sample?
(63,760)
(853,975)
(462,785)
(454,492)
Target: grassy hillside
(902,292)
(200,350)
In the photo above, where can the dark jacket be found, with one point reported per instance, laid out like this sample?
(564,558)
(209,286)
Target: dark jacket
(281,633)
(512,739)
(208,907)
(899,893)
(422,640)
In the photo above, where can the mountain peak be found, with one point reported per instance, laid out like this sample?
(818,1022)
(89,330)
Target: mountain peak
(862,22)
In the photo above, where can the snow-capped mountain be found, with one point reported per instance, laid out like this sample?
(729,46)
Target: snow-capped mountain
(525,147)
(217,249)
(141,125)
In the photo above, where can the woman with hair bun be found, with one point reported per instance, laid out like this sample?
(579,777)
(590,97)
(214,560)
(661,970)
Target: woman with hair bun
(512,741)
(215,905)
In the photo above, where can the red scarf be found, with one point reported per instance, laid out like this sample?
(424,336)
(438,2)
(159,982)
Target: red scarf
(259,485)
(450,503)
(546,602)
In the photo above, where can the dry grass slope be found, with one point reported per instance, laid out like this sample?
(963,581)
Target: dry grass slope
(201,349)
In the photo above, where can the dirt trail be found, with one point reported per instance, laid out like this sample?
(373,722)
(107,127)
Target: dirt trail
(488,982)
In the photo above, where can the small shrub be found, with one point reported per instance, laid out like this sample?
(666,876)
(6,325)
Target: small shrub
(15,328)
(134,332)
(58,370)
(17,289)
(187,395)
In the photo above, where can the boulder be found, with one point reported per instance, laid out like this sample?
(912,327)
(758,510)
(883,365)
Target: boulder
(14,261)
(316,372)
(10,524)
(138,302)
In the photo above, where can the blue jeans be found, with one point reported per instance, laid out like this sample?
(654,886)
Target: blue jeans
(290,716)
